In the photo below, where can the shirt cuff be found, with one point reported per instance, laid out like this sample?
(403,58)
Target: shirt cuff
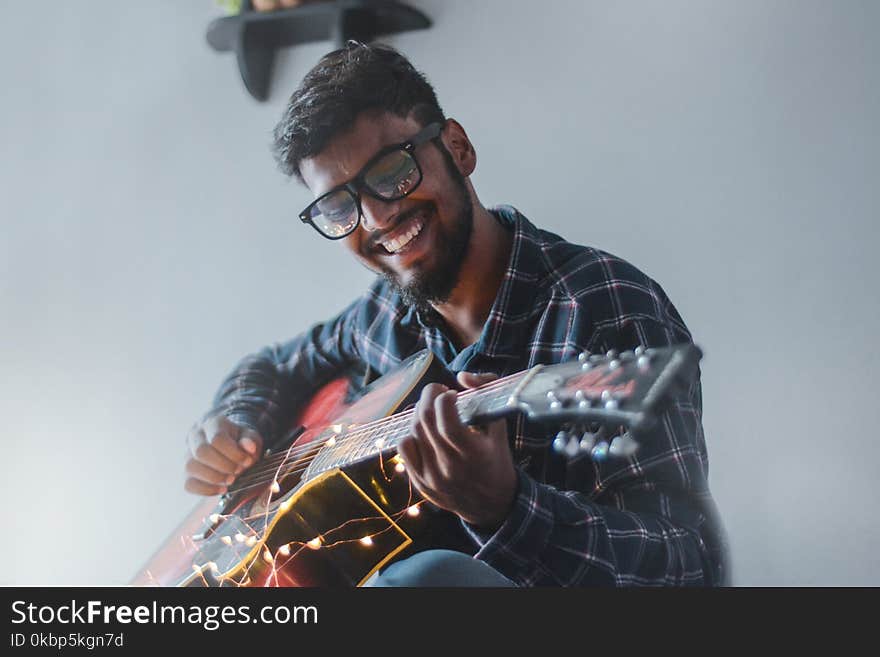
(513,548)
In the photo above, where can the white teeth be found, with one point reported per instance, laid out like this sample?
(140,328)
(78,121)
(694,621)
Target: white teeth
(393,246)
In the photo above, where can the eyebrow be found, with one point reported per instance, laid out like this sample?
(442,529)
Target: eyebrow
(372,160)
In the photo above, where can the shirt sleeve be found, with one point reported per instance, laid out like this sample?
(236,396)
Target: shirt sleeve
(267,388)
(645,520)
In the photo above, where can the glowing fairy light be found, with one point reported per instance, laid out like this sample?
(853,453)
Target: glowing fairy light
(400,467)
(227,540)
(214,518)
(367,540)
(267,556)
(239,537)
(413,510)
(336,428)
(380,443)
(331,441)
(284,550)
(286,504)
(251,541)
(315,543)
(276,487)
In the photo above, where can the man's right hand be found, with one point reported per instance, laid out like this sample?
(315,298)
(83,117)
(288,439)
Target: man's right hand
(218,451)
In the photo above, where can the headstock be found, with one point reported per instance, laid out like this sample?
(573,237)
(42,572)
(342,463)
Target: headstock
(594,396)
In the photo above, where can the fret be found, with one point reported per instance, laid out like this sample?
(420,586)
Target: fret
(359,444)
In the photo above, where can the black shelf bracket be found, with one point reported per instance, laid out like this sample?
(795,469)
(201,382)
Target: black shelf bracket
(255,36)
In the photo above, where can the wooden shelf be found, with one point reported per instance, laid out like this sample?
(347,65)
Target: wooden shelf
(255,36)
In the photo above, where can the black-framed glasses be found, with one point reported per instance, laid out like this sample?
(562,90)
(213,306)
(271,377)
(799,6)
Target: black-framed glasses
(390,175)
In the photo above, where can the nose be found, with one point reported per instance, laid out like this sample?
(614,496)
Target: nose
(378,215)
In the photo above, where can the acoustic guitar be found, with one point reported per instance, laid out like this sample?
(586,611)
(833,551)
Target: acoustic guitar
(331,503)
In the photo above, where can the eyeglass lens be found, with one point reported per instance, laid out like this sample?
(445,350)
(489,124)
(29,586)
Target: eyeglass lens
(391,177)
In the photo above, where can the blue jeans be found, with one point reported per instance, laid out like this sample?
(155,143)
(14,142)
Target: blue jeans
(439,568)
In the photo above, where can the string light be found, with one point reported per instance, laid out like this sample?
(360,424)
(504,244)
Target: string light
(413,510)
(400,467)
(227,540)
(315,543)
(367,540)
(251,541)
(330,441)
(239,537)
(380,443)
(284,550)
(267,556)
(214,518)
(276,487)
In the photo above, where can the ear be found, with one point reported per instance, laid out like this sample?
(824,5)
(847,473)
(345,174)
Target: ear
(459,146)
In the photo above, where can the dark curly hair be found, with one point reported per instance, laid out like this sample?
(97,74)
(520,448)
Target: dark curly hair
(343,84)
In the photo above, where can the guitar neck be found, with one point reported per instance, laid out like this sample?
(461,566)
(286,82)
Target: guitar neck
(360,442)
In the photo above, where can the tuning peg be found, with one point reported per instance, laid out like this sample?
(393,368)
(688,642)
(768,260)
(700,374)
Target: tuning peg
(644,362)
(627,356)
(572,448)
(612,354)
(614,364)
(639,351)
(561,442)
(623,445)
(600,451)
(588,441)
(583,357)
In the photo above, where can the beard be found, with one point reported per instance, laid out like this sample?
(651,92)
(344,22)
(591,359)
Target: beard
(436,284)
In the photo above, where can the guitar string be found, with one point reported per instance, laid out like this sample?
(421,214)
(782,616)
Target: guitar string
(393,423)
(381,423)
(355,442)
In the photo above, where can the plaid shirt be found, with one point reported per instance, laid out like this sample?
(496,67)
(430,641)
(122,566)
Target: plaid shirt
(644,520)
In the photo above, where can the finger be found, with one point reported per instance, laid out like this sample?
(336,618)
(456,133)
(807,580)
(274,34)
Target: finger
(206,454)
(450,428)
(474,380)
(429,393)
(409,452)
(251,442)
(201,451)
(206,474)
(424,413)
(202,488)
(230,448)
(416,468)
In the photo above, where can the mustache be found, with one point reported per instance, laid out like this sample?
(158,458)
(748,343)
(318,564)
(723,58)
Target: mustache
(401,218)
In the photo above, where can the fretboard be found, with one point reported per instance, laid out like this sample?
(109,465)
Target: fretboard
(349,445)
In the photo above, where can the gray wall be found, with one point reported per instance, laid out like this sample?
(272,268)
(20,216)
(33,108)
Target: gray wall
(730,149)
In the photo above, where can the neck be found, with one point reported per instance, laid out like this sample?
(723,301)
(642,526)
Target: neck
(480,277)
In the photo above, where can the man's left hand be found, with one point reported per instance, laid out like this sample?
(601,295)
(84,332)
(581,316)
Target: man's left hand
(459,468)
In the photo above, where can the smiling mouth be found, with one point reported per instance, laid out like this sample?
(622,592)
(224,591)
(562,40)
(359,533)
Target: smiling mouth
(404,237)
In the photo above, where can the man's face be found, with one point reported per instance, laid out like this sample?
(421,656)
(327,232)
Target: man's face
(436,218)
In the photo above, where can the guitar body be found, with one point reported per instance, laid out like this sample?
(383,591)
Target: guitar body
(335,529)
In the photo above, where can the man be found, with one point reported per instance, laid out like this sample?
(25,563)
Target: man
(489,294)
